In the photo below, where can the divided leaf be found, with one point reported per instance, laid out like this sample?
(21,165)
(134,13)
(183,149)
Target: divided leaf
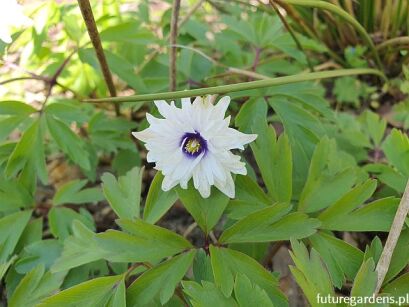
(95,292)
(72,192)
(205,211)
(139,242)
(124,195)
(328,179)
(70,143)
(227,263)
(160,280)
(270,224)
(310,273)
(158,202)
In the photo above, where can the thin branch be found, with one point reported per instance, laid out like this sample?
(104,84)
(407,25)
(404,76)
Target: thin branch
(22,78)
(89,20)
(58,72)
(396,228)
(181,23)
(290,30)
(172,41)
(230,69)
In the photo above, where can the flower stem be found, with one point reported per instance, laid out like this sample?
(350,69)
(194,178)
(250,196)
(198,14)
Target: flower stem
(244,86)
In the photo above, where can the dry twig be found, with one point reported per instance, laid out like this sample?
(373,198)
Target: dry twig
(89,20)
(396,228)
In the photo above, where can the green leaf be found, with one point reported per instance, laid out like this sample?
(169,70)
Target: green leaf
(127,31)
(160,280)
(365,280)
(396,149)
(205,211)
(5,266)
(375,125)
(17,108)
(141,242)
(158,202)
(273,157)
(95,292)
(60,221)
(270,224)
(68,142)
(11,228)
(8,124)
(68,110)
(14,195)
(202,267)
(252,111)
(399,287)
(32,233)
(226,263)
(400,256)
(249,198)
(71,193)
(34,286)
(207,294)
(248,294)
(348,90)
(79,248)
(328,179)
(119,297)
(351,200)
(24,148)
(124,195)
(72,27)
(304,130)
(41,252)
(388,175)
(375,216)
(310,273)
(342,260)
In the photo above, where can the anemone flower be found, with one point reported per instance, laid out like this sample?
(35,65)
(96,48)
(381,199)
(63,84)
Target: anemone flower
(195,141)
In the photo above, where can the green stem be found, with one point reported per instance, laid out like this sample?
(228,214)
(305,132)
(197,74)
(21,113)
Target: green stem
(345,16)
(244,86)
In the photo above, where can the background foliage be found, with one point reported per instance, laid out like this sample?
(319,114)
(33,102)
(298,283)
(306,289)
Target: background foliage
(83,219)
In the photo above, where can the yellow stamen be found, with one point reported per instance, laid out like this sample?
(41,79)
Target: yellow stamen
(192,146)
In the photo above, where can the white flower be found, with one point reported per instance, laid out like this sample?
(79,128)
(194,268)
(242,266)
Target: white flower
(11,15)
(195,141)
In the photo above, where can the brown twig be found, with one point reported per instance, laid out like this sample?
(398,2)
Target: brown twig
(172,41)
(23,78)
(89,20)
(394,233)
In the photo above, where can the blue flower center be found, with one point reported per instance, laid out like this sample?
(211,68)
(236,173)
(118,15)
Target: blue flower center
(193,144)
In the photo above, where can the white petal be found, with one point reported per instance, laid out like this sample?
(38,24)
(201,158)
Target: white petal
(168,183)
(144,135)
(221,107)
(200,182)
(164,109)
(232,139)
(226,187)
